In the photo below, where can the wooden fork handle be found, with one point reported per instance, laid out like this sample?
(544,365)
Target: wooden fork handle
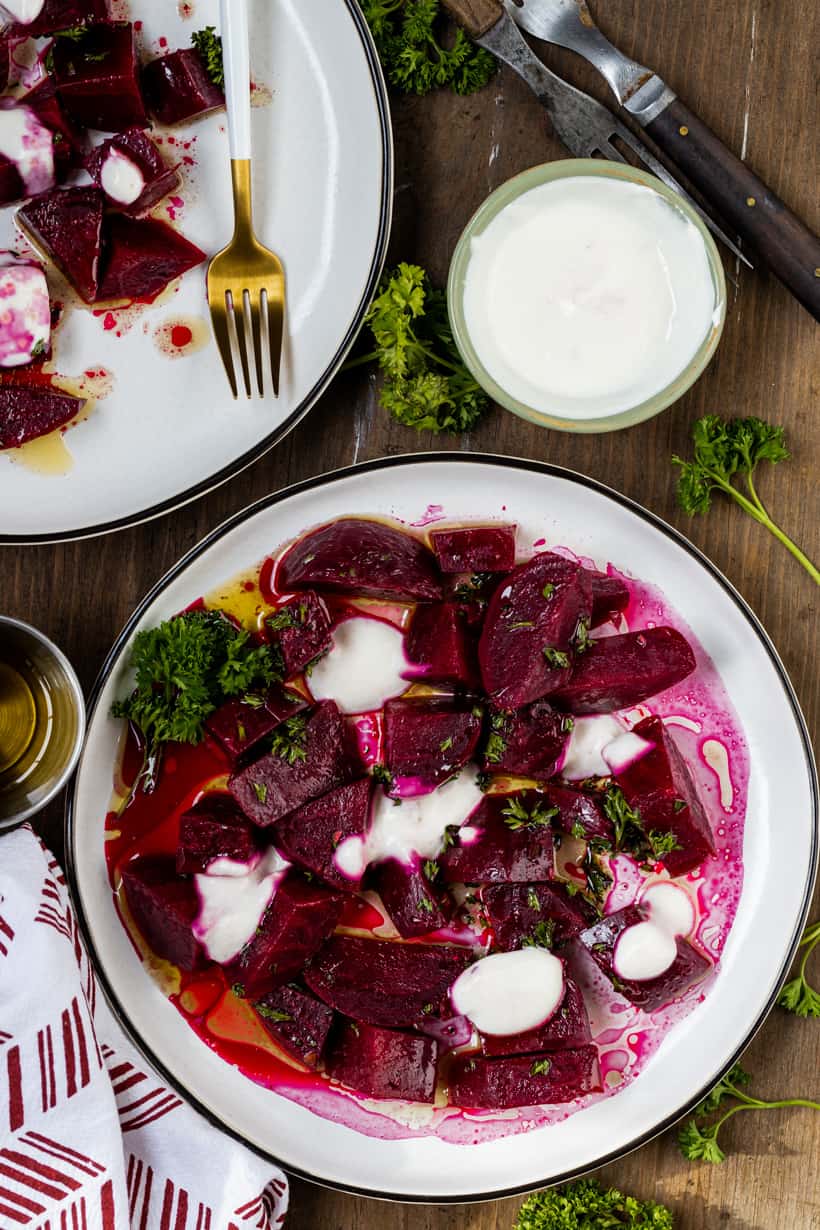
(476,16)
(786,244)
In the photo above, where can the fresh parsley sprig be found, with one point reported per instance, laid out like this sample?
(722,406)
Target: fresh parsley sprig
(586,1205)
(798,995)
(209,45)
(416,61)
(725,449)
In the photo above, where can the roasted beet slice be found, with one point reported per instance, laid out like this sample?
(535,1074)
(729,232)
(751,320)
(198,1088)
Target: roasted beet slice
(310,762)
(177,87)
(617,672)
(499,845)
(311,835)
(436,645)
(526,646)
(688,967)
(579,814)
(528,743)
(301,628)
(382,1063)
(44,101)
(367,558)
(298,1022)
(164,908)
(660,788)
(97,77)
(475,548)
(142,257)
(213,828)
(66,225)
(408,897)
(477,1083)
(567,1029)
(610,597)
(545,914)
(241,723)
(62,15)
(118,165)
(385,983)
(428,740)
(296,923)
(26,414)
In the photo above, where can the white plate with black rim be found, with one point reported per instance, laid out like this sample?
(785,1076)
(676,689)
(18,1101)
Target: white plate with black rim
(169,429)
(779,851)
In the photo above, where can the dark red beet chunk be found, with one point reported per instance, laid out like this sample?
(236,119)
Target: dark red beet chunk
(528,743)
(579,814)
(137,146)
(407,895)
(492,1084)
(478,548)
(382,1063)
(609,597)
(11,185)
(142,257)
(62,15)
(385,983)
(177,87)
(361,557)
(499,854)
(659,786)
(5,60)
(213,828)
(617,672)
(301,628)
(537,608)
(44,101)
(66,225)
(271,786)
(600,942)
(97,77)
(26,414)
(295,924)
(567,1029)
(298,1022)
(164,908)
(436,645)
(428,739)
(311,835)
(519,912)
(241,723)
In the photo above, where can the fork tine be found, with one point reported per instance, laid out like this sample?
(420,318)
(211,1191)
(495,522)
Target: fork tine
(256,335)
(276,326)
(219,320)
(241,340)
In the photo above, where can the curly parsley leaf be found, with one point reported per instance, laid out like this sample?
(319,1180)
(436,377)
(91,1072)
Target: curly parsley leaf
(209,45)
(798,995)
(586,1205)
(416,56)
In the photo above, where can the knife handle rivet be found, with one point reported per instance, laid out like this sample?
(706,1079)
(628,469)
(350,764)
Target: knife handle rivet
(683,130)
(751,202)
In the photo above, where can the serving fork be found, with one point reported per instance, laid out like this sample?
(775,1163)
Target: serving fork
(787,245)
(584,126)
(246,281)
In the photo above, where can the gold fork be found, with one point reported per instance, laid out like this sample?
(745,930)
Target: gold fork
(246,281)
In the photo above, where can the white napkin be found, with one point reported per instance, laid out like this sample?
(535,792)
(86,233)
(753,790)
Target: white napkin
(90,1138)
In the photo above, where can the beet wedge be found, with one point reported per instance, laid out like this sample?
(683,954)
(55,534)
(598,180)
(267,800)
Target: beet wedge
(367,558)
(617,672)
(298,920)
(526,646)
(475,548)
(580,815)
(164,908)
(381,1063)
(660,788)
(689,966)
(240,724)
(213,828)
(488,850)
(409,898)
(135,147)
(428,740)
(97,77)
(301,629)
(297,1021)
(566,1030)
(310,835)
(177,87)
(528,743)
(143,256)
(478,1083)
(385,983)
(27,414)
(436,645)
(312,761)
(610,597)
(66,226)
(546,914)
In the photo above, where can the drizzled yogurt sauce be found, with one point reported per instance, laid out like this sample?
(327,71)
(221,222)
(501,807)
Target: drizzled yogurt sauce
(647,949)
(120,178)
(510,992)
(364,667)
(587,295)
(233,896)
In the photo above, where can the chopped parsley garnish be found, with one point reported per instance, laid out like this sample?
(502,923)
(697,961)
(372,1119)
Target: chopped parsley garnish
(209,45)
(446,744)
(449,836)
(383,776)
(662,844)
(260,790)
(548,590)
(430,868)
(532,899)
(280,620)
(541,936)
(540,1067)
(581,640)
(555,657)
(273,1014)
(426,905)
(567,725)
(599,881)
(517,817)
(289,739)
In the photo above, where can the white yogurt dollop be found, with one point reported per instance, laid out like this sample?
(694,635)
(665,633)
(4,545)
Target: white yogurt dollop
(510,992)
(24,11)
(587,295)
(647,949)
(120,178)
(233,896)
(625,750)
(364,667)
(584,755)
(26,142)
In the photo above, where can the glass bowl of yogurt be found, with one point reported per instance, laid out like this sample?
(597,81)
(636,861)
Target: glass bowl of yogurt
(585,295)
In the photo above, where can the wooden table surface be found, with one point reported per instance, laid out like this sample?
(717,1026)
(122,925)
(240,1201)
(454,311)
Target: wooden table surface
(747,68)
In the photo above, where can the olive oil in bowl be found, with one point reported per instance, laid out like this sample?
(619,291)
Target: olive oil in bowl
(42,720)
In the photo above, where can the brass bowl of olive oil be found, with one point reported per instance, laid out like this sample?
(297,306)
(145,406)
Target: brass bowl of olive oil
(42,720)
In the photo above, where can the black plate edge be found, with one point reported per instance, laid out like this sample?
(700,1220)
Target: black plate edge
(504,462)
